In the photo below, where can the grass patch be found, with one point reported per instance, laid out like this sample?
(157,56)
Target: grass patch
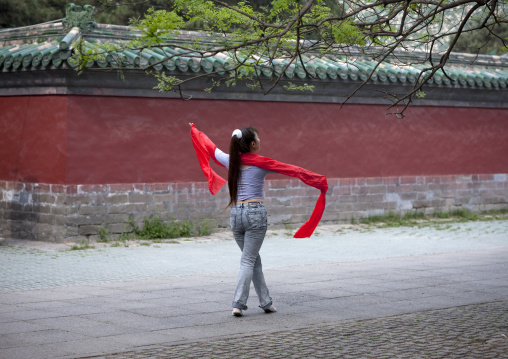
(289,228)
(82,246)
(158,231)
(154,228)
(419,219)
(103,235)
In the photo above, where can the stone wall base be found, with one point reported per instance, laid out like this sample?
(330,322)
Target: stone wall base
(61,213)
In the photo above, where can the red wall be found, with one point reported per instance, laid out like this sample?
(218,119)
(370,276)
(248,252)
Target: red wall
(33,138)
(119,139)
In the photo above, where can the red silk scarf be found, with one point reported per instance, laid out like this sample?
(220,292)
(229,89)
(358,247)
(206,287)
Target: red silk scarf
(206,149)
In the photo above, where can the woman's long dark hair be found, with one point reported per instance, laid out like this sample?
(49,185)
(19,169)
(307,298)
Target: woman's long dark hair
(236,148)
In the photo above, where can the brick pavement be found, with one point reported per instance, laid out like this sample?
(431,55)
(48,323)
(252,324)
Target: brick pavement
(471,331)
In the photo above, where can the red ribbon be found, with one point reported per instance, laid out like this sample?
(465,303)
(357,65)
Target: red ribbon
(206,149)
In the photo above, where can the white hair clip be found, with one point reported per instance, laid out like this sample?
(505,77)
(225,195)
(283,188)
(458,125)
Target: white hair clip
(237,133)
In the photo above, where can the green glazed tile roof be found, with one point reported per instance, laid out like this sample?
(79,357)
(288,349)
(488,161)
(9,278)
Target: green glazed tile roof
(50,46)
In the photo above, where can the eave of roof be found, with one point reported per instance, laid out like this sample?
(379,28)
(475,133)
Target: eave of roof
(50,46)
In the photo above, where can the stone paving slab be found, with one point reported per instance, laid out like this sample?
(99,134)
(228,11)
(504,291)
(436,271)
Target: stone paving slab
(46,265)
(89,307)
(473,331)
(124,316)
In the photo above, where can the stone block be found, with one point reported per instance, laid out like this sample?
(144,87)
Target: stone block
(71,231)
(282,201)
(360,190)
(464,178)
(348,199)
(200,187)
(77,220)
(97,199)
(142,208)
(58,188)
(14,225)
(161,187)
(118,228)
(42,228)
(119,188)
(371,198)
(63,210)
(153,208)
(420,187)
(182,187)
(500,177)
(76,199)
(86,230)
(408,180)
(37,187)
(342,190)
(121,208)
(42,208)
(448,194)
(391,180)
(341,207)
(45,218)
(409,196)
(377,189)
(20,216)
(295,201)
(275,192)
(93,188)
(404,188)
(422,204)
(116,198)
(97,219)
(91,209)
(16,206)
(423,195)
(348,181)
(278,183)
(59,220)
(139,188)
(486,177)
(140,198)
(279,219)
(164,197)
(360,207)
(391,206)
(374,181)
(116,218)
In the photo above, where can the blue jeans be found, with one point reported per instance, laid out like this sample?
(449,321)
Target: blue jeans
(249,224)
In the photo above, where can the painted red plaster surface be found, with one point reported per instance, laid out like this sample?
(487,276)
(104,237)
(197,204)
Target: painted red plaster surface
(147,140)
(88,139)
(32,132)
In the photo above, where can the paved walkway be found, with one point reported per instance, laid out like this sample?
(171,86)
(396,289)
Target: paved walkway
(408,293)
(473,331)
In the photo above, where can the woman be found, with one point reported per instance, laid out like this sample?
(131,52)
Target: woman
(246,179)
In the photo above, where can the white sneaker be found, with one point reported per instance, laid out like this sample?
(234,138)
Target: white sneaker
(237,312)
(271,309)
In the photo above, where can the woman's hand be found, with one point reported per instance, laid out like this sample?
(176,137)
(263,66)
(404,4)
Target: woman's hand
(190,124)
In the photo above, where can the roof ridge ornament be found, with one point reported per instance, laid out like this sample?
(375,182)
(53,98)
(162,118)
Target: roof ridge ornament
(77,16)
